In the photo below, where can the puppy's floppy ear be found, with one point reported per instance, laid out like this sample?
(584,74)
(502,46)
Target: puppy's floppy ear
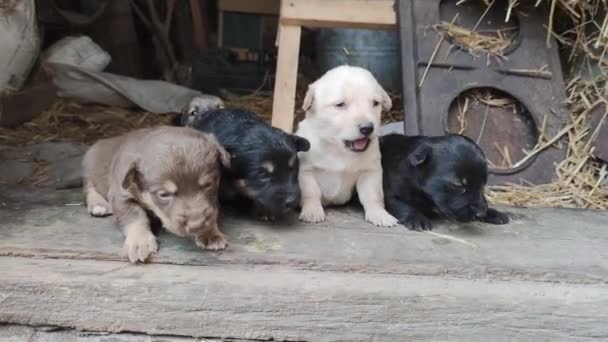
(132,182)
(421,154)
(386,101)
(223,154)
(309,97)
(302,144)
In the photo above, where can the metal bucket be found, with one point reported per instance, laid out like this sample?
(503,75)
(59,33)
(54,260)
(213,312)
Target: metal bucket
(375,50)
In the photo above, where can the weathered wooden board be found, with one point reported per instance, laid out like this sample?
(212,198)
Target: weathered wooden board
(20,333)
(540,244)
(542,277)
(262,302)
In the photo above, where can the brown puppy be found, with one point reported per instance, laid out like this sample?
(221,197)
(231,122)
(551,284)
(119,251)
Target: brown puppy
(173,172)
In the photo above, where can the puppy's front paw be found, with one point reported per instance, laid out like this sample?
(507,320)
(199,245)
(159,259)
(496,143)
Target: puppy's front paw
(381,218)
(265,218)
(140,245)
(213,241)
(417,222)
(494,216)
(312,213)
(99,209)
(97,206)
(262,215)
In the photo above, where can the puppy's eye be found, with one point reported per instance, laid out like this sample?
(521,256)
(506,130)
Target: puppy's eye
(164,195)
(457,187)
(376,103)
(265,175)
(340,105)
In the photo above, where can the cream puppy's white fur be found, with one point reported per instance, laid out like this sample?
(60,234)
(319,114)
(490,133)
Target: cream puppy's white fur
(341,157)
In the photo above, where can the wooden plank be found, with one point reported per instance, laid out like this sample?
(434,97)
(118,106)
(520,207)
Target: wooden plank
(537,278)
(339,13)
(247,6)
(273,303)
(21,333)
(286,77)
(539,245)
(409,77)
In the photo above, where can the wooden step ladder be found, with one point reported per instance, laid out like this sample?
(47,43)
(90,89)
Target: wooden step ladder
(316,13)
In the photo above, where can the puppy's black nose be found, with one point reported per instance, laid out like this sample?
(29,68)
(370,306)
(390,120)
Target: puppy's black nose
(366,128)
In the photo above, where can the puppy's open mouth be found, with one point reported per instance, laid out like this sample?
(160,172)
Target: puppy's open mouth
(357,145)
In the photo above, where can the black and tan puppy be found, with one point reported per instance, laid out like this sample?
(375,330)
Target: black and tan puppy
(426,177)
(263,174)
(172,172)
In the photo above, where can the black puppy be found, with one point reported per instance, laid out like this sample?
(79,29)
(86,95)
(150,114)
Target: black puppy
(424,177)
(264,165)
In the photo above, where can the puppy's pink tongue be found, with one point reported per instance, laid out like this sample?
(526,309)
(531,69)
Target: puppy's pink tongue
(360,144)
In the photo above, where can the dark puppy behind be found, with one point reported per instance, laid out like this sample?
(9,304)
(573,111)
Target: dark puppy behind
(264,165)
(425,177)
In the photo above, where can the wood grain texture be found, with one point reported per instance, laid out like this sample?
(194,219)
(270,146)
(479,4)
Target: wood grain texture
(540,244)
(21,333)
(261,302)
(286,77)
(542,277)
(339,13)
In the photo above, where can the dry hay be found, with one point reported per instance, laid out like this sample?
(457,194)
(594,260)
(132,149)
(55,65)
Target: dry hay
(580,181)
(493,42)
(74,122)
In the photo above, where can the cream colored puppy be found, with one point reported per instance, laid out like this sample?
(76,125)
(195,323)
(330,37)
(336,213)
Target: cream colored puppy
(342,123)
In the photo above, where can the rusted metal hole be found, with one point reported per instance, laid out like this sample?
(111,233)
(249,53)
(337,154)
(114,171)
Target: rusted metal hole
(499,123)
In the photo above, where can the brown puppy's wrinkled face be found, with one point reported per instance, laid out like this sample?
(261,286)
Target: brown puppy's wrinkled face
(347,103)
(181,187)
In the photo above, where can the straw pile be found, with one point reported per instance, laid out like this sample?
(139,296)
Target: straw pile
(581,181)
(494,42)
(73,122)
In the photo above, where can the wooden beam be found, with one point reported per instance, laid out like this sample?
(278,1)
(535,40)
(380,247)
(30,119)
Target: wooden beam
(286,77)
(536,278)
(339,13)
(532,247)
(247,6)
(262,303)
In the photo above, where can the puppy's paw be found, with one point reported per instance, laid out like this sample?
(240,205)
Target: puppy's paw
(265,218)
(99,209)
(140,245)
(312,213)
(97,206)
(494,216)
(381,218)
(213,241)
(416,222)
(262,215)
